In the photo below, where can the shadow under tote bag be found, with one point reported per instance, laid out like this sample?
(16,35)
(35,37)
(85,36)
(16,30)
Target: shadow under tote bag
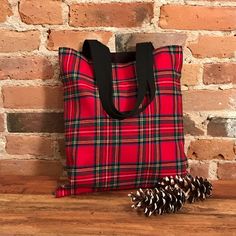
(123,117)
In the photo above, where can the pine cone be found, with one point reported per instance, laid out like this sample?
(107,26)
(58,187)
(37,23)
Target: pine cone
(194,188)
(158,201)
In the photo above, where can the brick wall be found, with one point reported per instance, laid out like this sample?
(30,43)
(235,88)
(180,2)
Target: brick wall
(31,121)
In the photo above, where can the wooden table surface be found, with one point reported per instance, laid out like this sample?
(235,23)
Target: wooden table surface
(27,210)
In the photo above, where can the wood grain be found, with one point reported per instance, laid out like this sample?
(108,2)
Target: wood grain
(106,215)
(30,213)
(27,184)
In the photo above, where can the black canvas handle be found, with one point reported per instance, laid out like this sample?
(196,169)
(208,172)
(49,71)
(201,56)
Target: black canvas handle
(101,57)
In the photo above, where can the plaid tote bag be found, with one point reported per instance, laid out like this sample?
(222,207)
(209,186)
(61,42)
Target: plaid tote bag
(123,117)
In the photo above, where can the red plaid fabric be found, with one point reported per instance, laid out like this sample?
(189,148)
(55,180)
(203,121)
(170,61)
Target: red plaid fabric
(109,154)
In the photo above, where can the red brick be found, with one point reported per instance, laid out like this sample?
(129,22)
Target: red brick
(35,122)
(41,11)
(24,67)
(33,97)
(220,73)
(205,46)
(30,168)
(1,100)
(61,145)
(227,171)
(127,41)
(221,127)
(197,17)
(208,149)
(74,39)
(33,145)
(2,123)
(110,14)
(209,100)
(190,74)
(5,10)
(199,169)
(217,127)
(190,127)
(14,41)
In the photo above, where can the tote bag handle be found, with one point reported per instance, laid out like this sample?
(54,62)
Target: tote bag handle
(101,57)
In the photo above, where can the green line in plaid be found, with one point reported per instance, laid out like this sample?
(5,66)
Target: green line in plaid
(78,95)
(102,140)
(112,168)
(177,117)
(116,168)
(96,143)
(126,165)
(76,76)
(174,92)
(139,167)
(74,138)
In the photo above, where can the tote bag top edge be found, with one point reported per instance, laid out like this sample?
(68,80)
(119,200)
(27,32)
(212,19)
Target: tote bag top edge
(173,48)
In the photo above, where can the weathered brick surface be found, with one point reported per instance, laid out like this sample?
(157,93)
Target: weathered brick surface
(206,46)
(41,11)
(13,41)
(227,171)
(1,101)
(61,145)
(128,41)
(30,168)
(35,122)
(208,149)
(219,73)
(197,17)
(33,145)
(221,127)
(217,127)
(190,74)
(190,127)
(74,39)
(209,100)
(2,123)
(23,67)
(199,169)
(33,97)
(110,14)
(5,10)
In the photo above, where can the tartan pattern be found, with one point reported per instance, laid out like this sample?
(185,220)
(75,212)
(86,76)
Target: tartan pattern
(108,154)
